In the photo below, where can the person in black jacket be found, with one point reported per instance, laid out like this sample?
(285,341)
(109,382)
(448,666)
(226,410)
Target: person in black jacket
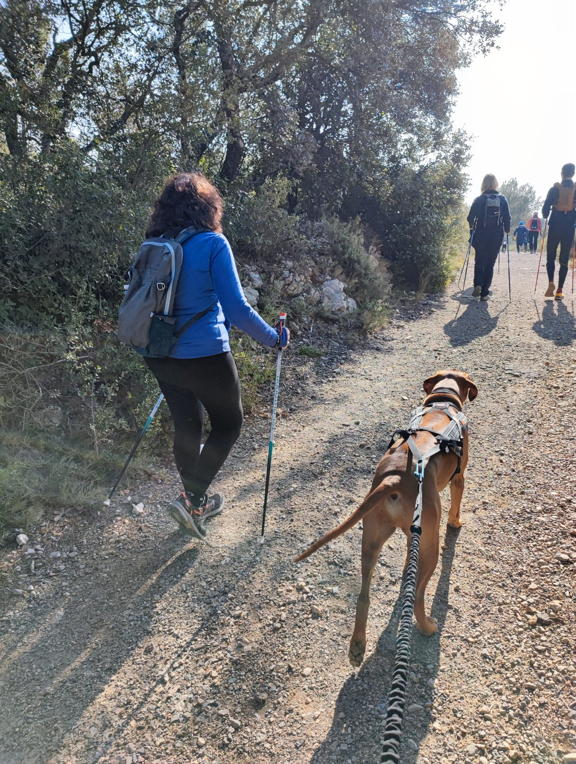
(489,219)
(562,200)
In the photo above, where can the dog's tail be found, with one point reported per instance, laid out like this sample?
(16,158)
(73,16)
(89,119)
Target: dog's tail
(387,486)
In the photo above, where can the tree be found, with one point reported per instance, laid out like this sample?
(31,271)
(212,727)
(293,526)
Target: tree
(522,200)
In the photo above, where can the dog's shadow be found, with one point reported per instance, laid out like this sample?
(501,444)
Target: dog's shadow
(357,725)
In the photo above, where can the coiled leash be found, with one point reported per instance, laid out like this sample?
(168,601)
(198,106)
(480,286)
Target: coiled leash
(397,694)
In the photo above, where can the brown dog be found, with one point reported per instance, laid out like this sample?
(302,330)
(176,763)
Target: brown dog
(392,498)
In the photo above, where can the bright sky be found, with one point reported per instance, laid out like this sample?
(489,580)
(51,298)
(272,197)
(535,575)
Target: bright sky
(519,102)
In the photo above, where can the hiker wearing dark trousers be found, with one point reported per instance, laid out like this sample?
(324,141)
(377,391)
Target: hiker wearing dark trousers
(489,217)
(561,199)
(521,236)
(534,230)
(200,373)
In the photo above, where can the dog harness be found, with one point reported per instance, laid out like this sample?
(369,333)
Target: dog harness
(449,439)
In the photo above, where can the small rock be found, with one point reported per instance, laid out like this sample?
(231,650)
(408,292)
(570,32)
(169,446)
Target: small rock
(201,742)
(544,619)
(569,758)
(532,620)
(563,558)
(483,710)
(315,610)
(415,708)
(55,555)
(555,606)
(471,749)
(235,723)
(138,509)
(22,539)
(306,671)
(513,754)
(411,744)
(530,686)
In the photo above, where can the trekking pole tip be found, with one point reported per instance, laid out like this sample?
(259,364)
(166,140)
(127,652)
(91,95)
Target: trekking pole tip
(106,502)
(261,541)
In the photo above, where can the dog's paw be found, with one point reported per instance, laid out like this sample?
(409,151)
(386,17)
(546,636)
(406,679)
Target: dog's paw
(429,627)
(455,523)
(356,652)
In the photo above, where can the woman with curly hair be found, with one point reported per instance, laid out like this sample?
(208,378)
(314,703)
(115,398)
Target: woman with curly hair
(200,373)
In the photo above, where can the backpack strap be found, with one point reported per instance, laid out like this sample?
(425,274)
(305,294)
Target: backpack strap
(195,318)
(188,233)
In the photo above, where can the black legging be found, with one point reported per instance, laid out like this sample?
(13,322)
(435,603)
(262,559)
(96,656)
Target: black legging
(190,385)
(533,239)
(486,254)
(563,236)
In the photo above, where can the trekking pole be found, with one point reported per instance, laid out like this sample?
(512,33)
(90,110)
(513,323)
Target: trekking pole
(272,425)
(509,281)
(541,251)
(573,262)
(129,459)
(467,260)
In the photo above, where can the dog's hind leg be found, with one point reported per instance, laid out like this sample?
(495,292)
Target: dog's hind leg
(456,492)
(427,560)
(373,538)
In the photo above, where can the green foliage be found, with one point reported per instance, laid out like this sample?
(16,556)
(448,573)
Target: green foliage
(310,351)
(42,470)
(523,200)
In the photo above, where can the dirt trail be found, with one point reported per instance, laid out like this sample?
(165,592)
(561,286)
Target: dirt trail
(139,645)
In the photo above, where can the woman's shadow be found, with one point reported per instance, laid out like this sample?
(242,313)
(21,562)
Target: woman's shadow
(356,731)
(473,323)
(556,323)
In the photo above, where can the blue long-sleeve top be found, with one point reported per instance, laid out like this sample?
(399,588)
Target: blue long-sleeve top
(209,274)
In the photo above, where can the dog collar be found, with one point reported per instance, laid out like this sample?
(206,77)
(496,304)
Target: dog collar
(443,393)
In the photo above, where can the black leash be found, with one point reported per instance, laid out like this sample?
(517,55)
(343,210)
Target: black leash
(397,695)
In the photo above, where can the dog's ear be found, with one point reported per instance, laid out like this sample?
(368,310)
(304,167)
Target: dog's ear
(468,386)
(430,383)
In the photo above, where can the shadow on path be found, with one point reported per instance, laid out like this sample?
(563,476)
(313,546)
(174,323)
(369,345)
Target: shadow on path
(476,321)
(556,323)
(356,731)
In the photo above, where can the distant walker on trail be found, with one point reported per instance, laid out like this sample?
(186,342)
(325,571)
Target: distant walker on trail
(489,219)
(521,236)
(561,199)
(534,230)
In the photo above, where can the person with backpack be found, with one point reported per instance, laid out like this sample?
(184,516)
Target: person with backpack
(534,230)
(183,297)
(489,219)
(561,199)
(521,235)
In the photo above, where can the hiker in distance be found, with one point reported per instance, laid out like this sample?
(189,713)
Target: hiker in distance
(200,372)
(562,200)
(489,219)
(521,236)
(534,230)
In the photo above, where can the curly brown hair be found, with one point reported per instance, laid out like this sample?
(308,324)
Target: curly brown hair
(187,200)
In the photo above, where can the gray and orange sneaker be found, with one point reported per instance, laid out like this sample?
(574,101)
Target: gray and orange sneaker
(191,517)
(558,295)
(550,291)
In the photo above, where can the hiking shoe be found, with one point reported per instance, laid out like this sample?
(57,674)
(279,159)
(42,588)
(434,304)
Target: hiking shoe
(187,516)
(210,506)
(550,291)
(485,297)
(477,291)
(558,295)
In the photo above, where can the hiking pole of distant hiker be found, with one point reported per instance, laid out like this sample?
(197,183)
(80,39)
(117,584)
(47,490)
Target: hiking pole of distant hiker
(509,280)
(134,448)
(465,266)
(541,251)
(573,258)
(272,425)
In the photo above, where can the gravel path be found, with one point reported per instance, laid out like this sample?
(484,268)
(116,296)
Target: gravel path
(124,641)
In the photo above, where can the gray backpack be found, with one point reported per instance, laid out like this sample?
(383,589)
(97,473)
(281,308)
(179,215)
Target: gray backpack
(145,320)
